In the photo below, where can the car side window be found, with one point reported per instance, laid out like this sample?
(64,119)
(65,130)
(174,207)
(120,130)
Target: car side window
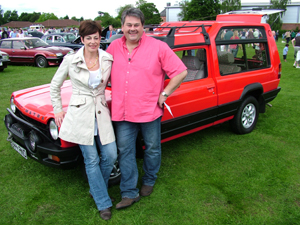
(49,39)
(58,39)
(242,49)
(195,61)
(18,44)
(5,44)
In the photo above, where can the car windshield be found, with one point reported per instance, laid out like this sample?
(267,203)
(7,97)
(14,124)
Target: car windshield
(35,43)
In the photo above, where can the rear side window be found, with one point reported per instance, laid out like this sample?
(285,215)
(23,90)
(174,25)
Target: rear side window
(5,44)
(242,49)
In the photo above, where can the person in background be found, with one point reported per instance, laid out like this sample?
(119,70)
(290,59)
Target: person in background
(138,95)
(4,33)
(296,45)
(20,34)
(285,51)
(277,35)
(110,32)
(234,48)
(288,36)
(87,121)
(13,33)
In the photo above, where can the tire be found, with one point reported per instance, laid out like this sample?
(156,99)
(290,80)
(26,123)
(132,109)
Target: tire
(41,62)
(115,176)
(246,117)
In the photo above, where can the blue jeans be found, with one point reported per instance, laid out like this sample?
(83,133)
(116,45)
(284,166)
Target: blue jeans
(98,171)
(126,133)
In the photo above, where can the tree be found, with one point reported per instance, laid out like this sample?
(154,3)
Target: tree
(121,9)
(107,19)
(184,9)
(150,12)
(274,20)
(47,16)
(1,16)
(201,10)
(230,5)
(66,17)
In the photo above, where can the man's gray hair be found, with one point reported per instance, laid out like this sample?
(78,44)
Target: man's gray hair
(133,12)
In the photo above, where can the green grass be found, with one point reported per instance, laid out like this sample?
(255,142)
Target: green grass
(210,177)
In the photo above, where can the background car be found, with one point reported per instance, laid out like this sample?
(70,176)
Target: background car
(62,39)
(33,50)
(35,33)
(4,60)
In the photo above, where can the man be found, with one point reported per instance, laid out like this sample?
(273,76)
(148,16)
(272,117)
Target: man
(138,96)
(110,32)
(13,34)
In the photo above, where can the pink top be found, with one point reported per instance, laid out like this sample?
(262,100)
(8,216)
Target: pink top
(137,79)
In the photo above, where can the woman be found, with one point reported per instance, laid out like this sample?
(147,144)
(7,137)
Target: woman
(20,34)
(88,121)
(234,48)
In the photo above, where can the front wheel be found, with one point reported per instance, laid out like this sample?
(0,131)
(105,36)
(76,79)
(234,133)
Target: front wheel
(246,117)
(41,62)
(115,175)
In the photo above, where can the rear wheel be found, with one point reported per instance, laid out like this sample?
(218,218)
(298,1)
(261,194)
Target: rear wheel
(41,62)
(246,117)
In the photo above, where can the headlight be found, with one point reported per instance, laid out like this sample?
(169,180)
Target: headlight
(59,54)
(34,140)
(53,129)
(5,57)
(12,105)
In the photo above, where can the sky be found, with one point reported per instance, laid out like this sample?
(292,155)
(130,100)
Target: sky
(61,8)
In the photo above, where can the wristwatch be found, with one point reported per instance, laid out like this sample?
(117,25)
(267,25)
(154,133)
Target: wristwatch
(164,94)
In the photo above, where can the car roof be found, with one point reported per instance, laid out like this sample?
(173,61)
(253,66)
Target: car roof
(19,39)
(61,34)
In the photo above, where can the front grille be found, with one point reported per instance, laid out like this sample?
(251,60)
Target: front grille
(37,124)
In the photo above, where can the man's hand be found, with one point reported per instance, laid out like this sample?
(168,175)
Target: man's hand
(161,100)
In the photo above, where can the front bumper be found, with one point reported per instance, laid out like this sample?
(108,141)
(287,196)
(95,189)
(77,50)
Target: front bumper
(19,131)
(4,63)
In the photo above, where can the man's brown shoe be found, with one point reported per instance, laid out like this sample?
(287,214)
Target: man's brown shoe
(105,214)
(146,190)
(127,202)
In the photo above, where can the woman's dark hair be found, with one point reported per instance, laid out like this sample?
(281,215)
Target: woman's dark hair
(88,27)
(133,12)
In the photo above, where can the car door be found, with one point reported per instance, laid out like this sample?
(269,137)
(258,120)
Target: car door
(20,53)
(193,105)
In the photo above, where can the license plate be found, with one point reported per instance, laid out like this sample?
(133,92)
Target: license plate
(19,149)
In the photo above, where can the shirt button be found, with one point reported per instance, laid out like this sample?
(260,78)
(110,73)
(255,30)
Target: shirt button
(99,112)
(126,92)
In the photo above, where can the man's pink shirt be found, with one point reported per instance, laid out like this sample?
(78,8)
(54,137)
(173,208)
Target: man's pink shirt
(137,79)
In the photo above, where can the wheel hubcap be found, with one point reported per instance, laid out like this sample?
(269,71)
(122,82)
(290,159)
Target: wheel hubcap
(248,115)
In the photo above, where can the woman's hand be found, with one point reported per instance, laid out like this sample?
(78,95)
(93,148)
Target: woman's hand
(59,117)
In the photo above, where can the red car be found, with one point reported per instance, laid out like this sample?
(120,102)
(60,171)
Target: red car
(229,79)
(33,50)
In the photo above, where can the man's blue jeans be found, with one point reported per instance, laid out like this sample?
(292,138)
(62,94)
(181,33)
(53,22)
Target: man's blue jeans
(98,171)
(126,134)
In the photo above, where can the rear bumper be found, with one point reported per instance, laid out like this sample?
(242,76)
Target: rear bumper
(269,96)
(19,132)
